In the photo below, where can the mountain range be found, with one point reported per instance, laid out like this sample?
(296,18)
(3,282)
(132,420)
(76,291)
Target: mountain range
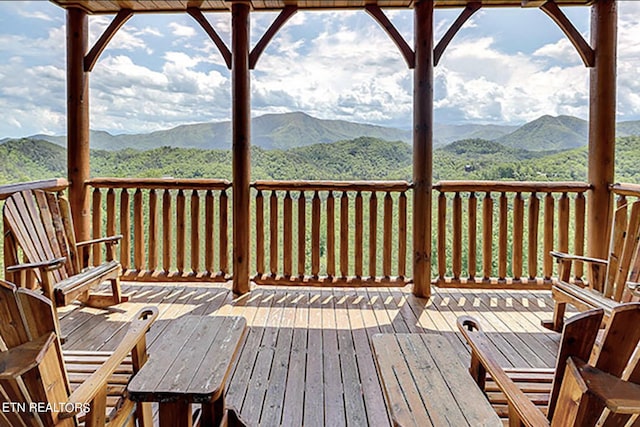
(291,130)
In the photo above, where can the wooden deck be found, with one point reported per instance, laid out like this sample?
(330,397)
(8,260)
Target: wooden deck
(307,357)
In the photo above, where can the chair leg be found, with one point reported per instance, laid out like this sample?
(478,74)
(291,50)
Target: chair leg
(117,292)
(558,316)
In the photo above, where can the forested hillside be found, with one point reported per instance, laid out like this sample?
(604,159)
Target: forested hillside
(357,159)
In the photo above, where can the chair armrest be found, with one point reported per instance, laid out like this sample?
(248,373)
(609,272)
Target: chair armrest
(87,391)
(561,256)
(110,240)
(48,265)
(20,359)
(620,397)
(484,350)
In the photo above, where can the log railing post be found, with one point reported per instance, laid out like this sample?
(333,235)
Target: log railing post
(78,121)
(241,156)
(422,147)
(602,121)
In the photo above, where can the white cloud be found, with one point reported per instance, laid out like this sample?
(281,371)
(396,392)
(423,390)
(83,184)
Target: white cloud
(161,71)
(179,30)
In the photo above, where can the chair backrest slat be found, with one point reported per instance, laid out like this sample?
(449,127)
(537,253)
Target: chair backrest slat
(629,251)
(620,340)
(28,317)
(12,328)
(623,249)
(34,217)
(578,337)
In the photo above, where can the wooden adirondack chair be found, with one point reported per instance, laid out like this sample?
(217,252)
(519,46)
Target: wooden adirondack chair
(589,383)
(40,224)
(607,278)
(77,386)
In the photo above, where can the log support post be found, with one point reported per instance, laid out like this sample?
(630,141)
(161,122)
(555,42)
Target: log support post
(241,123)
(422,148)
(602,125)
(78,120)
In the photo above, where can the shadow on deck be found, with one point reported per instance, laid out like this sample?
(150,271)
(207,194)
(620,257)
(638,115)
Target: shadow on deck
(307,357)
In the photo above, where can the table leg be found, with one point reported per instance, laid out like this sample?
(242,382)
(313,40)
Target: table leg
(175,414)
(213,412)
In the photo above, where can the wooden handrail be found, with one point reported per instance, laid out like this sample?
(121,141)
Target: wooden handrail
(511,187)
(337,186)
(55,184)
(160,183)
(624,189)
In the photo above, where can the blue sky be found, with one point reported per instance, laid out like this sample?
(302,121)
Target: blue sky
(160,71)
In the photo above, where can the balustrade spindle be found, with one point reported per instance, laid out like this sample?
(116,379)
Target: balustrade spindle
(224,233)
(331,235)
(373,233)
(563,223)
(166,230)
(153,230)
(209,238)
(549,211)
(487,235)
(125,229)
(388,224)
(457,236)
(111,212)
(260,233)
(502,237)
(138,232)
(195,232)
(181,209)
(518,235)
(315,235)
(97,224)
(402,235)
(359,234)
(273,233)
(288,235)
(442,235)
(344,234)
(534,217)
(580,202)
(302,233)
(472,230)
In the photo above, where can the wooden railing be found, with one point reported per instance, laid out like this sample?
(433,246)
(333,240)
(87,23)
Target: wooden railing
(177,229)
(367,246)
(528,218)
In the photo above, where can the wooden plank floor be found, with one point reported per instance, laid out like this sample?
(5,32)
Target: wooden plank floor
(307,358)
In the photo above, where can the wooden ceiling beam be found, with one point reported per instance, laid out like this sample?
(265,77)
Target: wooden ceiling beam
(468,11)
(208,28)
(382,19)
(262,44)
(532,3)
(92,57)
(585,51)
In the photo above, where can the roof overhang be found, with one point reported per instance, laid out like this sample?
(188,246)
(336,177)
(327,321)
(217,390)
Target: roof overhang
(157,6)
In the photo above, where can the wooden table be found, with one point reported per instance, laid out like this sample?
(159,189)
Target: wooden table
(189,363)
(426,384)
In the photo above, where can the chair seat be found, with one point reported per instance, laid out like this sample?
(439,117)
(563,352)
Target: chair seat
(67,290)
(534,383)
(588,297)
(81,364)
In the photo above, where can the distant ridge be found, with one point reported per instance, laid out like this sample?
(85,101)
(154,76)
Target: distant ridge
(292,130)
(277,131)
(548,133)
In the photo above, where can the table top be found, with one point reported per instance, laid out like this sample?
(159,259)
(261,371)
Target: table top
(426,384)
(190,360)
